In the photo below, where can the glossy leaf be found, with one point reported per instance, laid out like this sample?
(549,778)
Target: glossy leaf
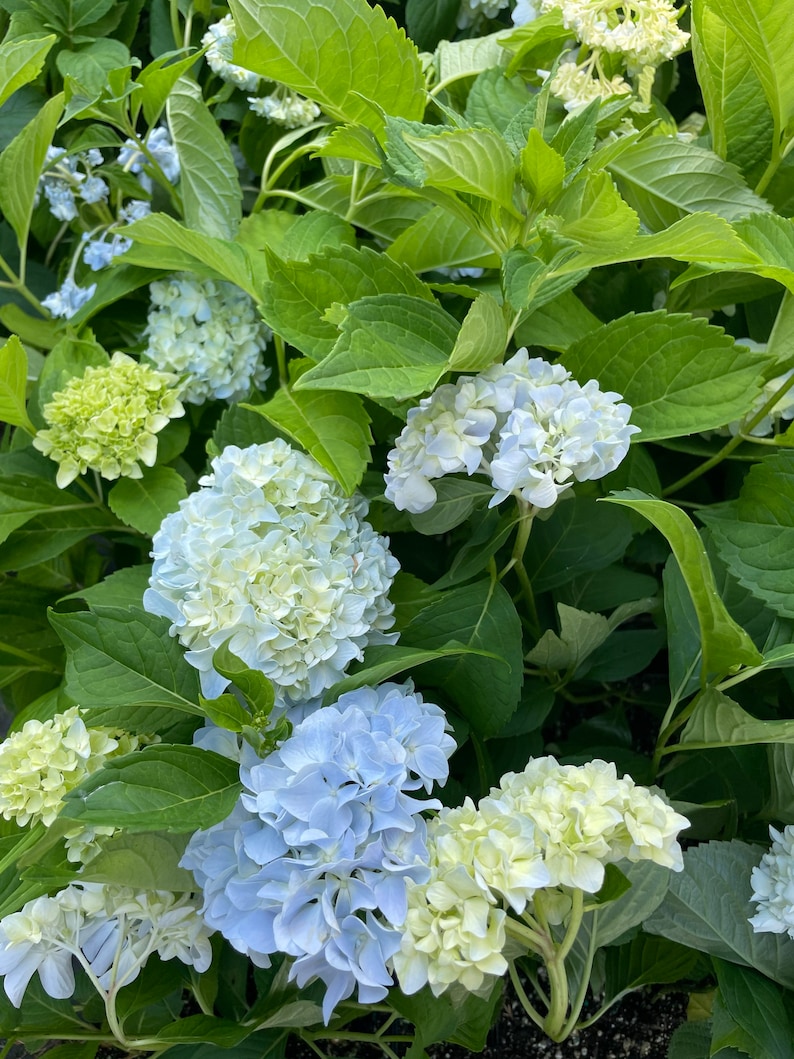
(144,502)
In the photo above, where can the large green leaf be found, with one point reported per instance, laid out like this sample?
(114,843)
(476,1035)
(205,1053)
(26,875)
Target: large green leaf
(298,293)
(332,426)
(474,161)
(209,185)
(21,164)
(708,906)
(480,616)
(679,374)
(20,62)
(594,214)
(123,658)
(144,502)
(725,644)
(754,535)
(145,861)
(392,345)
(759,1008)
(719,721)
(664,179)
(343,54)
(160,788)
(438,240)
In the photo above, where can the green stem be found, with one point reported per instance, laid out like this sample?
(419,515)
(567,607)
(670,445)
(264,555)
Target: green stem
(526,1003)
(7,1048)
(281,357)
(673,727)
(556,1018)
(536,941)
(581,993)
(574,923)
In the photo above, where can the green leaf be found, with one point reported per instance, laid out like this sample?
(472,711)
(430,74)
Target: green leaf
(646,961)
(298,293)
(343,54)
(725,644)
(255,687)
(456,498)
(157,80)
(664,179)
(21,164)
(482,337)
(203,1029)
(558,324)
(430,21)
(13,385)
(759,1008)
(209,184)
(21,62)
(392,345)
(719,721)
(144,502)
(474,161)
(464,58)
(529,282)
(225,711)
(118,657)
(145,861)
(649,884)
(542,168)
(595,216)
(333,427)
(439,240)
(708,907)
(480,616)
(692,1040)
(684,650)
(580,634)
(175,247)
(753,534)
(121,588)
(679,374)
(91,64)
(160,788)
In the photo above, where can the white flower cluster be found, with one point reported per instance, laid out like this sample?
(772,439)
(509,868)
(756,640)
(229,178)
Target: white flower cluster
(314,858)
(111,930)
(782,409)
(69,177)
(45,760)
(472,11)
(526,424)
(159,148)
(209,333)
(219,42)
(643,33)
(270,556)
(285,108)
(549,826)
(773,885)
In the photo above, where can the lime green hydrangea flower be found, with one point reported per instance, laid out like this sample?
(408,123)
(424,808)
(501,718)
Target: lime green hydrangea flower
(45,760)
(107,420)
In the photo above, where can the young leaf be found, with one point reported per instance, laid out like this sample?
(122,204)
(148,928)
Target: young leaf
(333,427)
(157,80)
(144,502)
(21,62)
(439,240)
(725,644)
(482,337)
(13,384)
(21,164)
(145,861)
(474,161)
(753,534)
(679,374)
(256,689)
(208,183)
(595,216)
(343,54)
(542,168)
(160,788)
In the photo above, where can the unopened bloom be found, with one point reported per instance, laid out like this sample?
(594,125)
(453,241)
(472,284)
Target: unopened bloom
(270,556)
(219,42)
(68,299)
(45,760)
(285,108)
(209,333)
(107,420)
(773,885)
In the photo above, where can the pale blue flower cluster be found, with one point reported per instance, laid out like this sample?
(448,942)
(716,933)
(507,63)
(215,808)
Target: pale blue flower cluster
(313,862)
(68,299)
(99,252)
(69,177)
(159,148)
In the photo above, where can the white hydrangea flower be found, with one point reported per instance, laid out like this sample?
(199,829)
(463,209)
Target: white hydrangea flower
(576,87)
(209,333)
(68,299)
(525,11)
(472,11)
(773,885)
(219,42)
(524,423)
(270,556)
(285,108)
(45,760)
(108,419)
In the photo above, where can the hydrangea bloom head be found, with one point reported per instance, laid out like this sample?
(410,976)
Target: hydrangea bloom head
(524,423)
(285,108)
(270,556)
(107,420)
(314,860)
(45,760)
(773,885)
(209,333)
(219,42)
(68,299)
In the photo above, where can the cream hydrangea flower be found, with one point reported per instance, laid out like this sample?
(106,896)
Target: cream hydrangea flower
(773,885)
(472,11)
(219,42)
(209,333)
(270,556)
(45,760)
(107,420)
(285,108)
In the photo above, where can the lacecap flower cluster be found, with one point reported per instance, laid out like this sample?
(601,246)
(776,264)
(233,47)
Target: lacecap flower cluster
(314,860)
(773,885)
(550,827)
(525,424)
(111,931)
(208,333)
(107,420)
(270,556)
